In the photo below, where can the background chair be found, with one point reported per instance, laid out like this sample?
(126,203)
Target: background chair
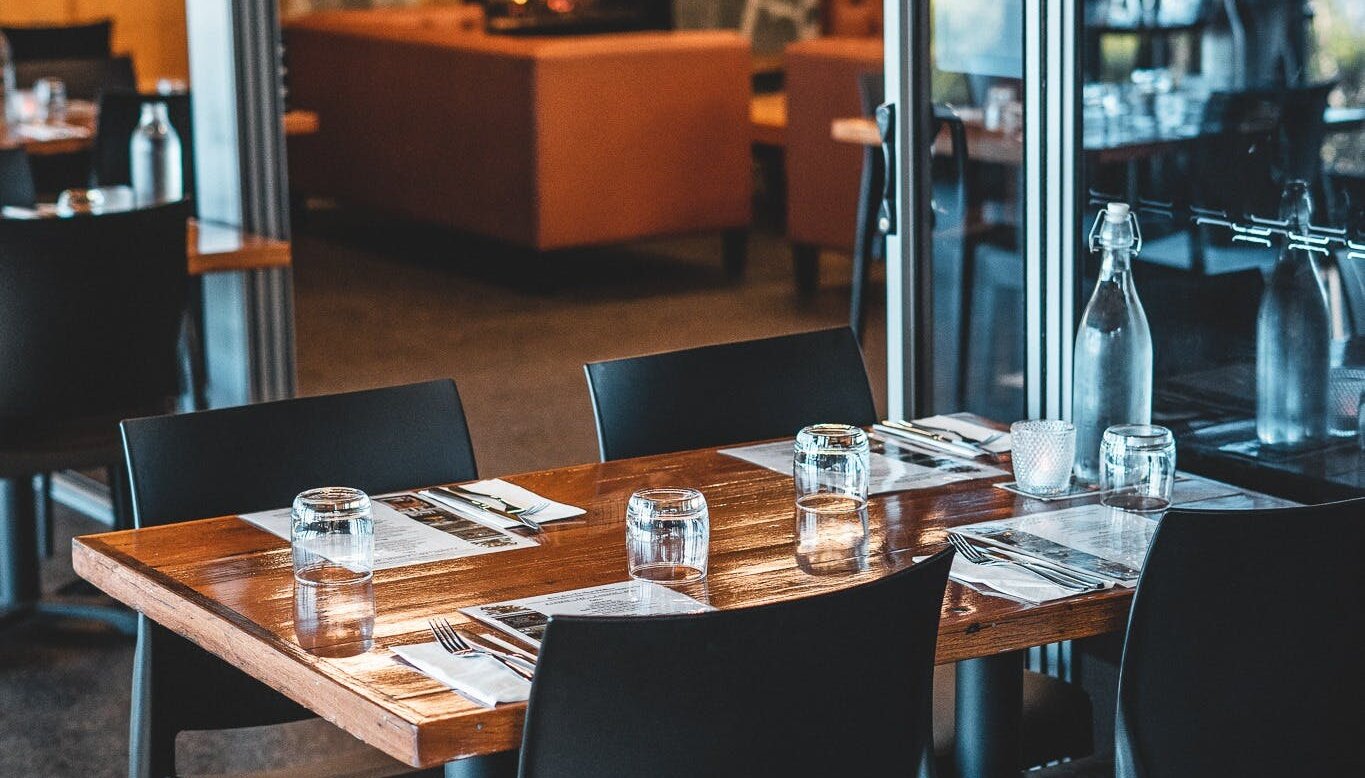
(771,388)
(85,79)
(836,684)
(252,458)
(119,114)
(729,393)
(1268,683)
(70,41)
(16,179)
(90,311)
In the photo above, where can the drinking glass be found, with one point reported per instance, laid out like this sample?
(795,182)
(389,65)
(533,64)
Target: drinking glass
(332,533)
(1137,465)
(50,96)
(668,535)
(1343,400)
(830,465)
(1044,452)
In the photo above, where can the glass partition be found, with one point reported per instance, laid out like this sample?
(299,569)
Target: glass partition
(1234,130)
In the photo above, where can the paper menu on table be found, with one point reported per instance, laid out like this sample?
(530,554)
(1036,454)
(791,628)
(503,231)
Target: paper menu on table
(410,530)
(896,468)
(526,618)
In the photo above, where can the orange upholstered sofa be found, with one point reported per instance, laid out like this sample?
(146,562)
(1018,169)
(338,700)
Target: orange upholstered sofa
(544,142)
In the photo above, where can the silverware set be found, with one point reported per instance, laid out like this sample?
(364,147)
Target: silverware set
(457,643)
(497,505)
(1067,579)
(939,437)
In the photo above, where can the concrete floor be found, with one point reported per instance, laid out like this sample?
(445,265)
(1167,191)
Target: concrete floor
(380,302)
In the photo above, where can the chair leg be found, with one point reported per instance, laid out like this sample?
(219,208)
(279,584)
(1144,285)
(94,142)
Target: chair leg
(151,743)
(864,237)
(46,544)
(806,266)
(735,252)
(19,583)
(964,325)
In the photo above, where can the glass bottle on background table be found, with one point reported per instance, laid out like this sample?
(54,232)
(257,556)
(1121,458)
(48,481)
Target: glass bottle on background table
(1293,338)
(1112,370)
(154,152)
(9,95)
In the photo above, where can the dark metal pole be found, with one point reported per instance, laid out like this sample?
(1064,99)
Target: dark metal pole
(990,701)
(19,583)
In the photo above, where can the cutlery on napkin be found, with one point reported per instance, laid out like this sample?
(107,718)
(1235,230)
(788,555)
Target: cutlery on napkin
(479,677)
(1008,581)
(508,494)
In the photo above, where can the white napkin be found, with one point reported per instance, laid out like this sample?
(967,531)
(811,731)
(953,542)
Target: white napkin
(496,487)
(46,132)
(1013,582)
(972,431)
(481,678)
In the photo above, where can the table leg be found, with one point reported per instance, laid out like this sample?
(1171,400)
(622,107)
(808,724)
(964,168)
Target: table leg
(990,700)
(503,765)
(19,584)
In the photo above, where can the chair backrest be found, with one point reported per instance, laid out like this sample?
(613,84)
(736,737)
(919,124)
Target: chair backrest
(835,684)
(120,111)
(1243,648)
(90,312)
(72,41)
(730,393)
(257,457)
(85,79)
(16,179)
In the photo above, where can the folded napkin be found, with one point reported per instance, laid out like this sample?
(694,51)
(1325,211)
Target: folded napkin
(500,489)
(479,677)
(1010,581)
(969,430)
(47,132)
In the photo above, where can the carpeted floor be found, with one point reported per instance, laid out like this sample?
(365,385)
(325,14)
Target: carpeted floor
(381,302)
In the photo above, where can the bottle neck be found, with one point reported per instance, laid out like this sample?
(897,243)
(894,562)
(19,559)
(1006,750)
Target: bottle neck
(1115,263)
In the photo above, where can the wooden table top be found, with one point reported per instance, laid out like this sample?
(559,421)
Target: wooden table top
(228,586)
(768,119)
(83,114)
(221,248)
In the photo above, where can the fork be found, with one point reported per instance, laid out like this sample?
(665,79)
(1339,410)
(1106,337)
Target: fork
(979,557)
(986,441)
(455,645)
(520,510)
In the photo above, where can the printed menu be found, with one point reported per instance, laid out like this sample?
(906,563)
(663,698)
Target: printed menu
(894,469)
(526,618)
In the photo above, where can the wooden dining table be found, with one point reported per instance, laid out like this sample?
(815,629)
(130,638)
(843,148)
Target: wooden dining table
(228,586)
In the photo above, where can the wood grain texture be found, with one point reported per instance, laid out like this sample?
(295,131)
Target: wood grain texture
(220,248)
(229,587)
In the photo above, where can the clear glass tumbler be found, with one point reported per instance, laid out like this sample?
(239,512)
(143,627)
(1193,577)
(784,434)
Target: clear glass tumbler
(332,534)
(668,535)
(830,464)
(50,96)
(1137,467)
(1044,452)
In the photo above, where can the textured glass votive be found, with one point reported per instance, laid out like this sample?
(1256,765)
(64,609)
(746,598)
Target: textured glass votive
(1343,400)
(1044,452)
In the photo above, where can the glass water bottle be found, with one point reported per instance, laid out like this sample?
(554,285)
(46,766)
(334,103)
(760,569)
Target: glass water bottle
(1112,371)
(9,96)
(1293,337)
(154,152)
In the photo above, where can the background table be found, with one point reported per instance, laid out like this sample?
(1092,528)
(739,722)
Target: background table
(228,586)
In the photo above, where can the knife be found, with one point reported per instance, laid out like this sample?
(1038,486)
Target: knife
(930,439)
(486,506)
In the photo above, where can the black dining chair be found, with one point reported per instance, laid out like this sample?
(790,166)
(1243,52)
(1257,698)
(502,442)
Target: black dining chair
(257,457)
(771,388)
(16,179)
(119,112)
(85,78)
(829,685)
(90,40)
(728,393)
(90,312)
(1243,649)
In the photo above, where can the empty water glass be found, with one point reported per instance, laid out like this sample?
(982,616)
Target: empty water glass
(77,201)
(1137,467)
(1044,452)
(50,96)
(668,535)
(830,465)
(332,533)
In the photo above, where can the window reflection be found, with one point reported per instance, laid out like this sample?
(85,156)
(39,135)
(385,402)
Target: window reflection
(1203,115)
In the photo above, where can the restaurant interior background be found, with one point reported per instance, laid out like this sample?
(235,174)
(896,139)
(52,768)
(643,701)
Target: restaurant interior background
(443,226)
